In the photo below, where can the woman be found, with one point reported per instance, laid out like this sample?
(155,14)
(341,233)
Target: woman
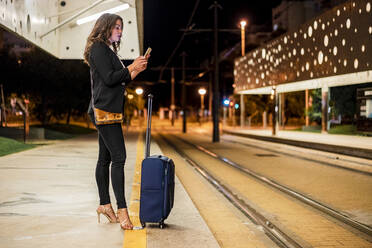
(108,78)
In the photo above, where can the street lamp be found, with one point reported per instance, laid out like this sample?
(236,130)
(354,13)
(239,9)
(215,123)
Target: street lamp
(140,103)
(202,92)
(139,91)
(226,103)
(243,23)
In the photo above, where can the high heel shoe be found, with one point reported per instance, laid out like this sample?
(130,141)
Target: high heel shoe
(123,219)
(107,211)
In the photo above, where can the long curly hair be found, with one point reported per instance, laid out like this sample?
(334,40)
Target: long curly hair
(101,33)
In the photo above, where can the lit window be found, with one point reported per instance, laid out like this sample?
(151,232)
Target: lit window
(325,40)
(348,23)
(320,57)
(335,50)
(310,31)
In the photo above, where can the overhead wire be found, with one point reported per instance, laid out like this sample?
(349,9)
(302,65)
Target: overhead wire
(180,41)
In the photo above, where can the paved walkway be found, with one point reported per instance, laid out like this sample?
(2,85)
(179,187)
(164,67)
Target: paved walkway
(48,198)
(350,145)
(354,141)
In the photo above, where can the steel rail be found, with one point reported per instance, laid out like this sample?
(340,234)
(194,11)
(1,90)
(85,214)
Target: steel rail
(272,231)
(302,197)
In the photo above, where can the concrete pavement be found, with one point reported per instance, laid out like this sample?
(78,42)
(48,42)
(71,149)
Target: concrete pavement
(351,145)
(48,198)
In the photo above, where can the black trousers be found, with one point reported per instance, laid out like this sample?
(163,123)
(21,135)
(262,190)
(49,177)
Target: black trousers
(111,150)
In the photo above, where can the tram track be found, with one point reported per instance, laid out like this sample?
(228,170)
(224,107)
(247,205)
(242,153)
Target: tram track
(298,195)
(275,233)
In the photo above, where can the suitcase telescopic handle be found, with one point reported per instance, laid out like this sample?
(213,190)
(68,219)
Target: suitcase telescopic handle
(148,131)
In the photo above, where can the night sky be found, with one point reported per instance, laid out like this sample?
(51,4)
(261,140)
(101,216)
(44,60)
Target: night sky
(164,18)
(162,23)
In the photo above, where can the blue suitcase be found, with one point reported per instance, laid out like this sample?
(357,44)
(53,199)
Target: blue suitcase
(157,183)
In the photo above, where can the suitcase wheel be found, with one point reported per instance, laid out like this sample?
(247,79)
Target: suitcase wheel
(161,225)
(143,224)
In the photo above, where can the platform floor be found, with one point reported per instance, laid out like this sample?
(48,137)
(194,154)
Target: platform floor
(48,198)
(352,141)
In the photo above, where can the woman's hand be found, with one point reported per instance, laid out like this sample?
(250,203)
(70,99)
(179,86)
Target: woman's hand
(139,64)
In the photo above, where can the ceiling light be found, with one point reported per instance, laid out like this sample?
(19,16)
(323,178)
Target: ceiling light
(96,16)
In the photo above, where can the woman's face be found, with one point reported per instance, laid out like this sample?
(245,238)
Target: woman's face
(116,32)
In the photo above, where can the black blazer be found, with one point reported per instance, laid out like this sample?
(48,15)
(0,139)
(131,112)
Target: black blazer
(109,79)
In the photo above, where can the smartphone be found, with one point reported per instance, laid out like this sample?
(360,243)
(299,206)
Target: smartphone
(148,51)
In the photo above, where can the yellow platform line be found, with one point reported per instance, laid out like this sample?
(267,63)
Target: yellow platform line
(136,238)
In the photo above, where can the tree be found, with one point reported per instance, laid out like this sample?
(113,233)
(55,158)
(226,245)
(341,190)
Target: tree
(255,105)
(315,109)
(294,105)
(55,87)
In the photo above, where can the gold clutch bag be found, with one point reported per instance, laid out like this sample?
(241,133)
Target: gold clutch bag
(103,117)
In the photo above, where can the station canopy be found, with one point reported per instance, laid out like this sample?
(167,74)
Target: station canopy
(333,49)
(61,28)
